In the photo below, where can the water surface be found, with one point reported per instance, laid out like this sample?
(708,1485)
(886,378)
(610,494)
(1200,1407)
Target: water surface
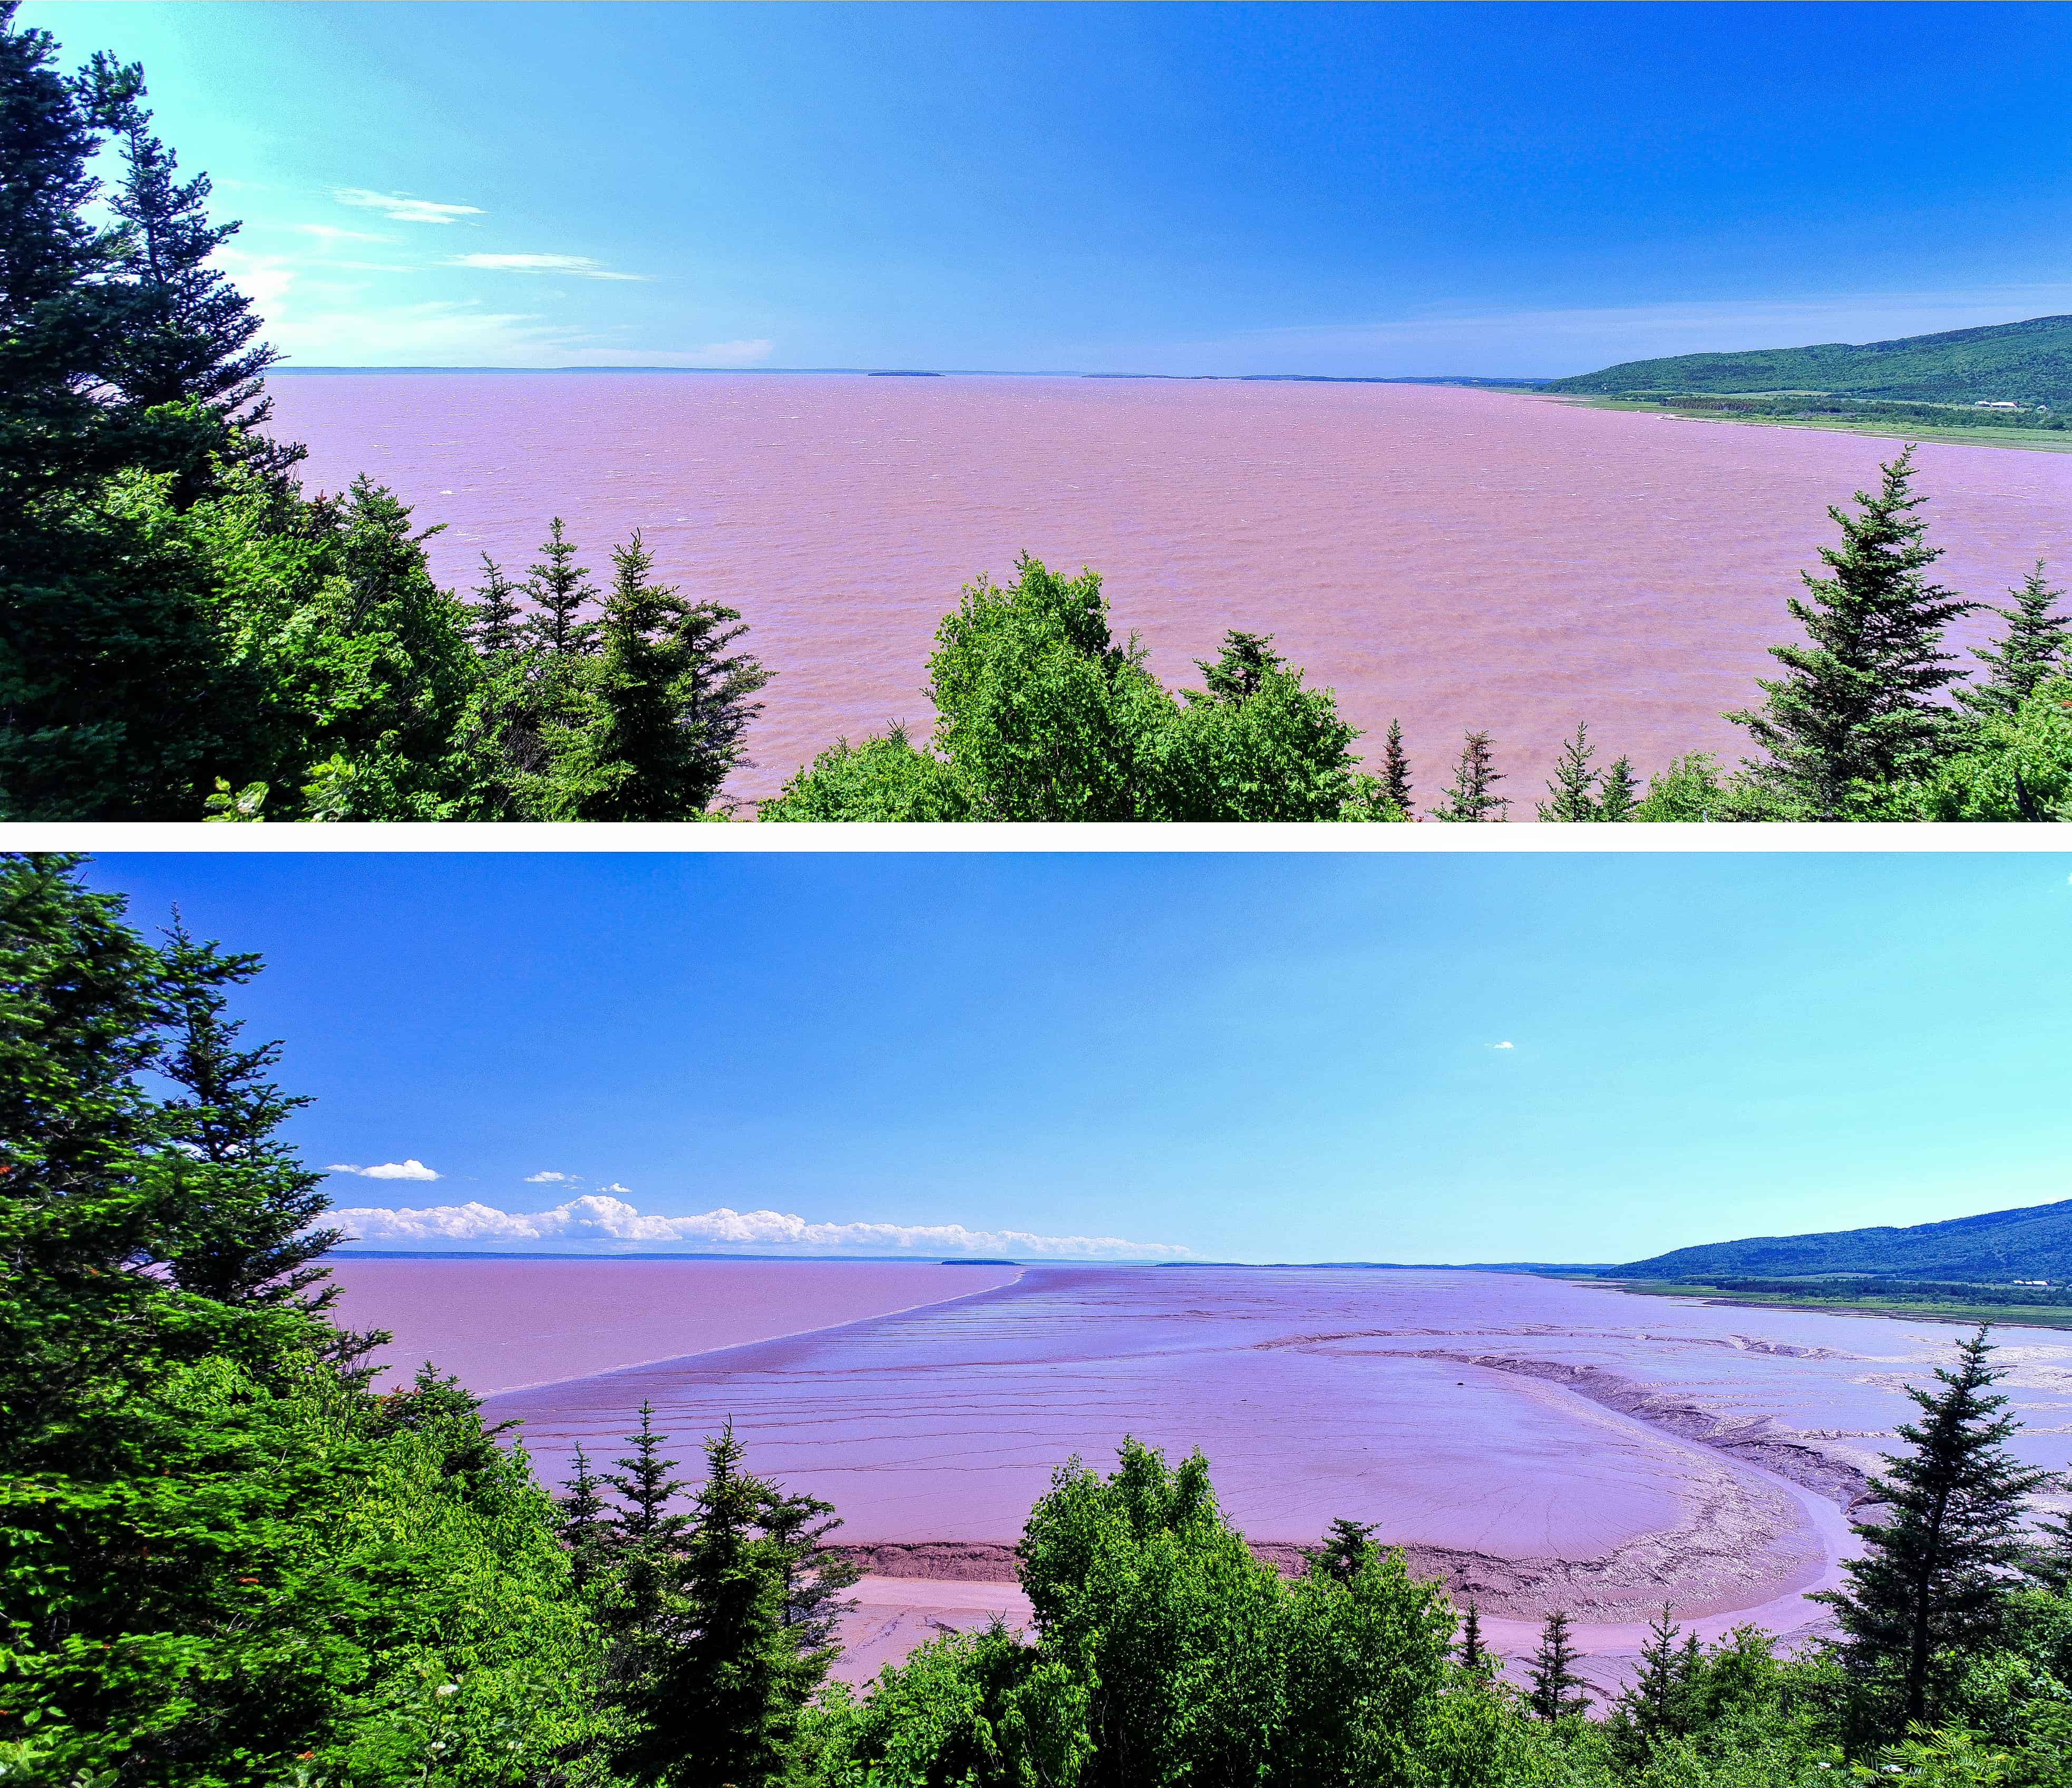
(1455,558)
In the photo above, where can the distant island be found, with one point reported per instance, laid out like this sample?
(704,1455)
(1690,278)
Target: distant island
(2009,377)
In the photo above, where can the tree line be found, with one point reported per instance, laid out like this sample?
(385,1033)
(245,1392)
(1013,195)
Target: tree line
(228,1558)
(186,634)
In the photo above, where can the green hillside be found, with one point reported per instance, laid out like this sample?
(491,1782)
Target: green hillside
(2001,1246)
(2023,362)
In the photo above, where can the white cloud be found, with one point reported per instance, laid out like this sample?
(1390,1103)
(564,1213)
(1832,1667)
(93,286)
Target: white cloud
(549,1179)
(1502,1046)
(412,1169)
(580,265)
(330,233)
(401,208)
(616,1187)
(612,1223)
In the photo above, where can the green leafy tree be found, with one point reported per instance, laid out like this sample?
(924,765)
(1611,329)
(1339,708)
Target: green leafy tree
(2010,768)
(2035,649)
(1931,1587)
(1571,792)
(1857,713)
(1554,1690)
(1472,797)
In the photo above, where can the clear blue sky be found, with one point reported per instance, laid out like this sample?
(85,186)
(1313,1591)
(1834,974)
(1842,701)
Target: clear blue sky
(1255,1057)
(1400,189)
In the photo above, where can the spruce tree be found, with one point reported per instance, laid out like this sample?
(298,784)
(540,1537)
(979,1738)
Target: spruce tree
(1247,661)
(1930,1590)
(1648,1710)
(189,334)
(797,1529)
(1395,767)
(1472,797)
(255,1244)
(1473,1653)
(2036,646)
(1569,791)
(495,619)
(1620,796)
(646,1488)
(662,709)
(560,591)
(721,1680)
(1347,1546)
(580,1521)
(1553,1690)
(1857,712)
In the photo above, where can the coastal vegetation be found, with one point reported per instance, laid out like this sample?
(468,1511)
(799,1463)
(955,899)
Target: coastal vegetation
(2029,363)
(229,1559)
(186,634)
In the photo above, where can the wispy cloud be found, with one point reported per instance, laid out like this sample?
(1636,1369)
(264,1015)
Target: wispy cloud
(549,1179)
(1503,1045)
(411,1169)
(330,233)
(611,1224)
(401,208)
(581,265)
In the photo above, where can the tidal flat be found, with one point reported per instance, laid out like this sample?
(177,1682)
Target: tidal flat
(1537,1443)
(1452,558)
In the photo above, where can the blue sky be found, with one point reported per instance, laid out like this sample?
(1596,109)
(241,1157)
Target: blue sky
(1392,190)
(1255,1057)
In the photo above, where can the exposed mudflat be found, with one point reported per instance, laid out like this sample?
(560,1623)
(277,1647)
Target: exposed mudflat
(1534,1443)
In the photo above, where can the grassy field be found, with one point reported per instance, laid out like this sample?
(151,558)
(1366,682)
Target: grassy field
(2029,1316)
(1988,435)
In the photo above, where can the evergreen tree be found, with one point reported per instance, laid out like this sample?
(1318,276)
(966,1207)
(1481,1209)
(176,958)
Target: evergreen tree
(581,1522)
(797,1529)
(1473,1653)
(721,1679)
(1569,792)
(1648,1709)
(559,591)
(1395,767)
(1554,1688)
(59,304)
(1856,713)
(663,710)
(1247,660)
(1620,798)
(646,1488)
(250,1239)
(1472,798)
(189,334)
(1930,1590)
(496,621)
(2036,646)
(1348,1546)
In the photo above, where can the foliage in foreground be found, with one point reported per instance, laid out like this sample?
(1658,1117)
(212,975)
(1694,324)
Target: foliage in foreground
(225,1561)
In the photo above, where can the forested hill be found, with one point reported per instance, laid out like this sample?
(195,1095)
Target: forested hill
(1998,1247)
(2024,363)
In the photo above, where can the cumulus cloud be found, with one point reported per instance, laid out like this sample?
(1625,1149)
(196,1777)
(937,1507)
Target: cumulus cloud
(1503,1045)
(412,1169)
(549,1179)
(612,1223)
(580,265)
(401,208)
